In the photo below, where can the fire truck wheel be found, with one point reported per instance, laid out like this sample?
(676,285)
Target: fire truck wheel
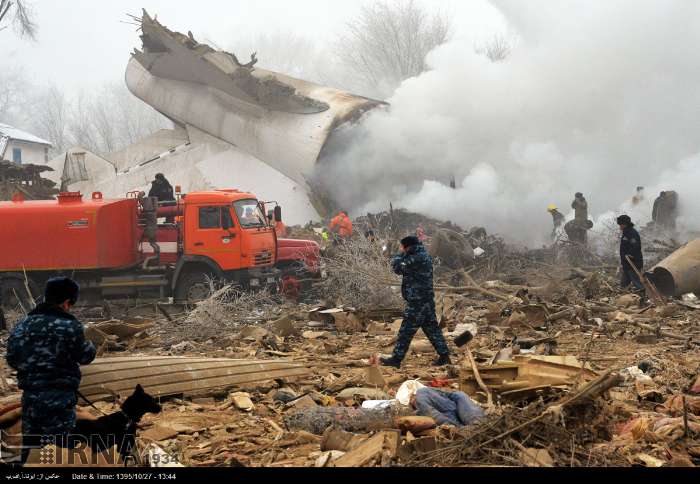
(194,287)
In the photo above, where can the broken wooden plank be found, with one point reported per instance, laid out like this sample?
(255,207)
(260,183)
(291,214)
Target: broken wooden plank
(167,376)
(363,454)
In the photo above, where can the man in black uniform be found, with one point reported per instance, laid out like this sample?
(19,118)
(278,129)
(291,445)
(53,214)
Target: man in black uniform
(416,267)
(630,245)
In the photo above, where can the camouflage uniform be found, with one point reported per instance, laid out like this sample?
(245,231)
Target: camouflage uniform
(416,267)
(47,348)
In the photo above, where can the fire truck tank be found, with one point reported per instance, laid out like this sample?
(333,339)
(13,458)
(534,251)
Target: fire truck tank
(68,234)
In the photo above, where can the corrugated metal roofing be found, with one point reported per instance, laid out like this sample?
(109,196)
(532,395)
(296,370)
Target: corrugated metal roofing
(163,376)
(19,135)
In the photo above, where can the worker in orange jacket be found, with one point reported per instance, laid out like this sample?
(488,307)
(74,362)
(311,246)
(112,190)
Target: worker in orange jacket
(341,226)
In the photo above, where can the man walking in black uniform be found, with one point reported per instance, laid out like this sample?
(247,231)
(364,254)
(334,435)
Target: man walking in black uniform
(630,245)
(416,267)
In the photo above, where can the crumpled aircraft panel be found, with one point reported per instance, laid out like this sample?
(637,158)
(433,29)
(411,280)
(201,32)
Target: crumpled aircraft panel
(281,121)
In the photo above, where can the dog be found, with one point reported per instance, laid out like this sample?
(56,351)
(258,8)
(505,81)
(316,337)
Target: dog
(118,428)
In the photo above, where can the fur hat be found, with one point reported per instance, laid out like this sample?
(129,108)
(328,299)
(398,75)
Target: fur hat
(60,289)
(624,220)
(410,241)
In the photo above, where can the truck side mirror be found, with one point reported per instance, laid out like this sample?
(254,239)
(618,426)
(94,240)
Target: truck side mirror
(278,213)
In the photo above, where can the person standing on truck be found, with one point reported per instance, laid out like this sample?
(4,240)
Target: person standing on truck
(341,227)
(149,206)
(47,348)
(416,266)
(162,189)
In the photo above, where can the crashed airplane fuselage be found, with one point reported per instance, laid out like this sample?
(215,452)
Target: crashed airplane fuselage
(281,121)
(236,126)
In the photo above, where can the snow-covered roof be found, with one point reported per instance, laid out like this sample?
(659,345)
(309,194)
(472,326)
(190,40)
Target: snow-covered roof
(19,135)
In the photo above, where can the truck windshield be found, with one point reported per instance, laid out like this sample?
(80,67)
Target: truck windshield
(249,214)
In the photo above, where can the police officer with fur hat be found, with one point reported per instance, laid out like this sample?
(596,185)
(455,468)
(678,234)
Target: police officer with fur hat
(416,266)
(47,348)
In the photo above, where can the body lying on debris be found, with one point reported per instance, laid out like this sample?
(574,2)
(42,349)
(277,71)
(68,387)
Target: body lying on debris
(447,408)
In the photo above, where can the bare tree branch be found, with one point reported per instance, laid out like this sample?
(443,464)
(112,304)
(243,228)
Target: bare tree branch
(51,120)
(285,52)
(388,42)
(14,89)
(4,8)
(498,48)
(105,120)
(22,17)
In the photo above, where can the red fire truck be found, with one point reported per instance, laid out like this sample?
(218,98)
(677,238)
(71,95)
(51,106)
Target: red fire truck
(222,235)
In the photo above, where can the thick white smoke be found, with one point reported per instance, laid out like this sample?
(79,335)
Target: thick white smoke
(599,97)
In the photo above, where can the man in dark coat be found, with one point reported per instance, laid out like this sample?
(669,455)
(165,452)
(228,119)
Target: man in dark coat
(630,245)
(162,189)
(577,229)
(47,348)
(416,267)
(658,212)
(580,206)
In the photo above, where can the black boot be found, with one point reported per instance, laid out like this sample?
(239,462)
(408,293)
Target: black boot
(393,362)
(443,361)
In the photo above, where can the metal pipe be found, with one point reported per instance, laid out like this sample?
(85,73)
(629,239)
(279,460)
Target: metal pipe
(679,273)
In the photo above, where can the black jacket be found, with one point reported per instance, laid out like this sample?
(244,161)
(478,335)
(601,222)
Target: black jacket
(631,245)
(162,190)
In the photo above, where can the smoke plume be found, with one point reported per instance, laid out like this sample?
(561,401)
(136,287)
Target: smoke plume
(598,97)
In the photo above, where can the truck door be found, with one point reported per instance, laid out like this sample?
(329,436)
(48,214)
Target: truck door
(212,232)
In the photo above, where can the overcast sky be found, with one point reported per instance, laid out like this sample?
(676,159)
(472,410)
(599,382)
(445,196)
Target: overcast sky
(84,42)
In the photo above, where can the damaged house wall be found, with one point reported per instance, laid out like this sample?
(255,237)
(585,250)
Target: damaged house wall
(236,126)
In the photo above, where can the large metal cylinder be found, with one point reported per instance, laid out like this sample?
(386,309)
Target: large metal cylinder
(679,273)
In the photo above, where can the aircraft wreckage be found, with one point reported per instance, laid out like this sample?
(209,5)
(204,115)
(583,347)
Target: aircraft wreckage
(236,126)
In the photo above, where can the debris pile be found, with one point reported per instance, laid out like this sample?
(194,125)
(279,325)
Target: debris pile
(552,366)
(25,180)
